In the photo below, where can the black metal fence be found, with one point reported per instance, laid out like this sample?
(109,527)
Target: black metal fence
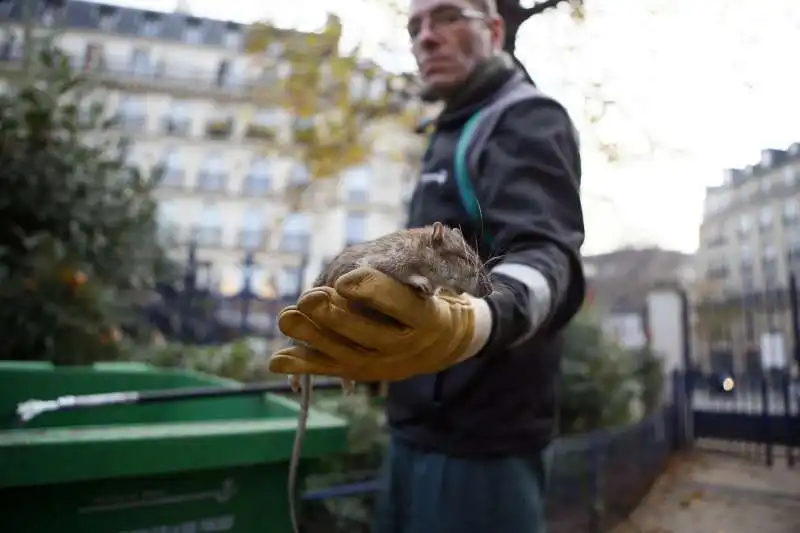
(754,414)
(191,310)
(595,481)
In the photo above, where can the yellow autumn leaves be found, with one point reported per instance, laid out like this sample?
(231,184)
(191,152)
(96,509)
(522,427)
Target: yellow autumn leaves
(333,96)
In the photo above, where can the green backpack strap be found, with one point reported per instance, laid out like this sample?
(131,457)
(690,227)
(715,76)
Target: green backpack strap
(466,189)
(473,138)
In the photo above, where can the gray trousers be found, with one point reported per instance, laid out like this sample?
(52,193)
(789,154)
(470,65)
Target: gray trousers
(424,492)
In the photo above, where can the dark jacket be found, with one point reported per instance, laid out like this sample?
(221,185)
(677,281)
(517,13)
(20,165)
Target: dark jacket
(502,401)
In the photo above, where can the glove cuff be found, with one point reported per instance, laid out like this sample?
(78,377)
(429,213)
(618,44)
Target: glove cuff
(482,327)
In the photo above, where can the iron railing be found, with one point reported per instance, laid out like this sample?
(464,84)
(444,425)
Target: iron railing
(594,481)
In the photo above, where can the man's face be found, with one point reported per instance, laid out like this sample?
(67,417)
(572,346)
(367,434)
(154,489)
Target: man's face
(449,38)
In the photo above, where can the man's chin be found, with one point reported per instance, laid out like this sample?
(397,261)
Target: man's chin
(439,86)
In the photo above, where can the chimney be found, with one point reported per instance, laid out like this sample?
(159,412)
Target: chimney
(183,7)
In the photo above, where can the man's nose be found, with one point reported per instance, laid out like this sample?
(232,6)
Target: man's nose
(427,38)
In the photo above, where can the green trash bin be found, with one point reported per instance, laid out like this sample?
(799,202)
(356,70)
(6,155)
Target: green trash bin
(192,466)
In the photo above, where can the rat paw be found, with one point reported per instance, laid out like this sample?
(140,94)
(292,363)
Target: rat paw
(421,284)
(348,386)
(296,383)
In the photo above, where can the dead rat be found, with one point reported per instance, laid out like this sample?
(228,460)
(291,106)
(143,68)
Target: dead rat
(428,259)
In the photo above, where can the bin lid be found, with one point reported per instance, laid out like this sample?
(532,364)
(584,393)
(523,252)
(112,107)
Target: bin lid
(153,439)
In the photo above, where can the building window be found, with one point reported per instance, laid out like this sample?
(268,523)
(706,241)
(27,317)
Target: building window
(141,64)
(252,233)
(93,56)
(229,74)
(50,13)
(151,25)
(289,282)
(221,125)
(212,176)
(299,175)
(718,271)
(179,119)
(209,228)
(791,211)
(173,169)
(790,175)
(230,283)
(264,125)
(232,39)
(11,47)
(357,184)
(261,286)
(749,189)
(132,113)
(169,221)
(770,254)
(193,33)
(745,225)
(355,228)
(296,234)
(259,177)
(107,18)
(794,252)
(765,218)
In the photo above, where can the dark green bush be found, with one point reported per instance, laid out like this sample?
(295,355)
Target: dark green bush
(78,243)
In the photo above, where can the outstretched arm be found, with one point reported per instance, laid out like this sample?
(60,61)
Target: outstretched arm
(530,198)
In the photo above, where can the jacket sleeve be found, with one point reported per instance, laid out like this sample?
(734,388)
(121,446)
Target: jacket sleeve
(529,191)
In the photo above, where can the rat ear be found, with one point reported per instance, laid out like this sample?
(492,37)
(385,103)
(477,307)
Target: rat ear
(437,233)
(457,230)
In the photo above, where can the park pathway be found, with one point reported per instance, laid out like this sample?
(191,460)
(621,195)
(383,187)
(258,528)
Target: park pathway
(716,493)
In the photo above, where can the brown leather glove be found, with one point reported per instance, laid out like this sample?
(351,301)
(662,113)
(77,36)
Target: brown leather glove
(426,335)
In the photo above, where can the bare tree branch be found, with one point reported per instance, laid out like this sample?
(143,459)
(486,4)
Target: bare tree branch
(515,16)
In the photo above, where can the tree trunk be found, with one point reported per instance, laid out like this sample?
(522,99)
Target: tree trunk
(515,15)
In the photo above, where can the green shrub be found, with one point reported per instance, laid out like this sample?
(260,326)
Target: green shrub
(78,243)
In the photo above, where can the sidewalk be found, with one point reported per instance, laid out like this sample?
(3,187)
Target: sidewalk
(714,493)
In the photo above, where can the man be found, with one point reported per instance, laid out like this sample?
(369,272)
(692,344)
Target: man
(472,404)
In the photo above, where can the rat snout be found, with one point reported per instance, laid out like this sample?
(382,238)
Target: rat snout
(483,285)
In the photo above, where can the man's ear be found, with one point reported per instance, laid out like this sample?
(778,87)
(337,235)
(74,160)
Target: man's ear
(437,233)
(497,26)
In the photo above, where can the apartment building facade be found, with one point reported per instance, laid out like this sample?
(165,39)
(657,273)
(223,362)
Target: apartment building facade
(197,105)
(749,246)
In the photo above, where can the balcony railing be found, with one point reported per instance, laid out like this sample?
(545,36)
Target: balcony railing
(257,131)
(219,129)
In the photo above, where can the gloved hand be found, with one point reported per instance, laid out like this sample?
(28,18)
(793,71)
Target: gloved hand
(425,334)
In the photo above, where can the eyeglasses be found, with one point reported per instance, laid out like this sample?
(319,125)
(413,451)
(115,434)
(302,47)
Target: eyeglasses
(442,18)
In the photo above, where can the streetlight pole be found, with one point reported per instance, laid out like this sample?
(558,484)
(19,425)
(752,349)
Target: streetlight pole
(793,313)
(27,34)
(247,292)
(187,292)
